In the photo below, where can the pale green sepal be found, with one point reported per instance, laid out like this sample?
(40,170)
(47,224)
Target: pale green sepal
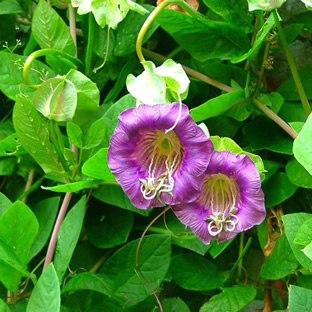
(84,6)
(137,8)
(264,5)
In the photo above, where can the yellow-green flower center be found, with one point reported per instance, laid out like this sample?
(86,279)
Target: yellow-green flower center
(221,194)
(162,154)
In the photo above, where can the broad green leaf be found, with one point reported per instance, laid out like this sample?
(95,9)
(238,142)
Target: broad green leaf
(304,234)
(180,236)
(217,105)
(262,33)
(96,167)
(194,272)
(298,175)
(277,189)
(50,31)
(271,168)
(113,112)
(115,196)
(292,112)
(45,212)
(5,203)
(10,7)
(292,223)
(72,187)
(128,30)
(281,261)
(7,166)
(56,99)
(4,307)
(263,133)
(173,305)
(307,250)
(288,88)
(11,269)
(88,95)
(217,248)
(118,275)
(74,134)
(300,299)
(20,237)
(231,299)
(204,39)
(68,237)
(96,134)
(12,82)
(46,294)
(32,131)
(233,11)
(303,146)
(108,226)
(10,146)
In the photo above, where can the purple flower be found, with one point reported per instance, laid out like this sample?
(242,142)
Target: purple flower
(156,167)
(231,200)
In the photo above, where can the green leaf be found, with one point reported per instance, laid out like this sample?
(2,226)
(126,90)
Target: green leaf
(5,203)
(118,275)
(298,175)
(45,212)
(32,131)
(262,33)
(74,134)
(11,146)
(46,294)
(217,248)
(204,39)
(4,307)
(114,111)
(304,234)
(231,299)
(10,7)
(292,112)
(277,189)
(20,237)
(264,5)
(307,250)
(194,272)
(115,196)
(96,166)
(68,237)
(12,82)
(88,96)
(72,187)
(217,105)
(233,11)
(292,223)
(108,227)
(56,99)
(96,134)
(288,88)
(173,305)
(50,31)
(263,133)
(281,261)
(7,166)
(128,30)
(300,299)
(303,147)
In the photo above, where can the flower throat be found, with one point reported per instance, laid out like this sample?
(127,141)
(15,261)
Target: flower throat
(163,154)
(221,194)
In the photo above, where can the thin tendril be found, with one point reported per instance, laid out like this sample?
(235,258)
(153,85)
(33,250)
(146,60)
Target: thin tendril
(137,265)
(179,115)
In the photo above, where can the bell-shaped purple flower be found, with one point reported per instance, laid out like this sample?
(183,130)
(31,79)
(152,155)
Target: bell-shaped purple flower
(154,162)
(231,200)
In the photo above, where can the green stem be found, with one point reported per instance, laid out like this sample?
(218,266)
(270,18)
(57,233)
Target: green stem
(292,65)
(45,52)
(72,24)
(57,145)
(154,14)
(241,247)
(89,44)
